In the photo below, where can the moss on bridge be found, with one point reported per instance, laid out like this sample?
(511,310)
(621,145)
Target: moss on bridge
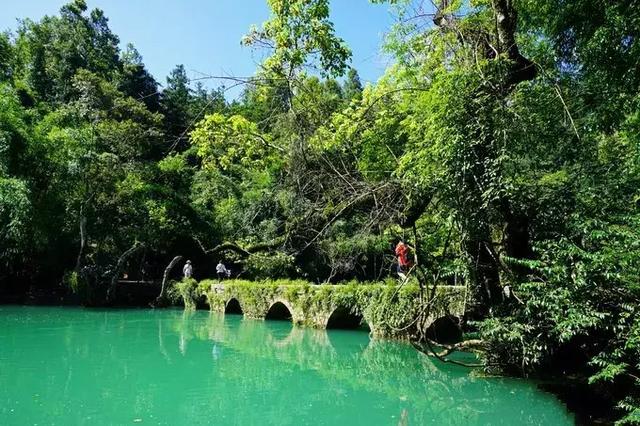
(388,309)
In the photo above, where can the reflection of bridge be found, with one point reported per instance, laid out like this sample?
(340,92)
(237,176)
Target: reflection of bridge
(350,364)
(385,310)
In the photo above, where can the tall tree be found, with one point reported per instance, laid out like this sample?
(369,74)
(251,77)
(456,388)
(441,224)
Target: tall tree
(6,58)
(175,105)
(135,81)
(352,86)
(53,50)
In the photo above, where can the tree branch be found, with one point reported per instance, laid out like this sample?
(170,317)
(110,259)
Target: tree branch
(160,300)
(448,349)
(111,292)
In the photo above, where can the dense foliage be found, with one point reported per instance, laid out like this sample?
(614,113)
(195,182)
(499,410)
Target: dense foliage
(502,144)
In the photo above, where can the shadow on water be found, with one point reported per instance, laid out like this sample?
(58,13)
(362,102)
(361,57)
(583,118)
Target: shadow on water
(347,342)
(281,332)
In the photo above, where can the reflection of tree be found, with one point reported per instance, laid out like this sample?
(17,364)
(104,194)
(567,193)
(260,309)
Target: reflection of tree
(287,373)
(188,325)
(423,386)
(163,349)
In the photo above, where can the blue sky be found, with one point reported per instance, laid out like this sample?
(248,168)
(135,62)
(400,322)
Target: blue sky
(204,35)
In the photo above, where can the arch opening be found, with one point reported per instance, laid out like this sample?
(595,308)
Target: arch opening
(233,307)
(279,312)
(344,319)
(445,330)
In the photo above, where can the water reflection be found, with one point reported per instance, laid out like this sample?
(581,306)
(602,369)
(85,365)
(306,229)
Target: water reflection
(353,362)
(173,367)
(216,352)
(348,343)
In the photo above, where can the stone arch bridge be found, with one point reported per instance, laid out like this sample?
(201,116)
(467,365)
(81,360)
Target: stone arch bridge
(387,310)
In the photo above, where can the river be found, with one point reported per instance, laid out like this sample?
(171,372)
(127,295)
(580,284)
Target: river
(74,366)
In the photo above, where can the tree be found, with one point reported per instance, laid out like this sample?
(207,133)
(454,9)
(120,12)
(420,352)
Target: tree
(496,142)
(16,204)
(352,86)
(51,51)
(135,80)
(205,102)
(6,58)
(175,102)
(300,35)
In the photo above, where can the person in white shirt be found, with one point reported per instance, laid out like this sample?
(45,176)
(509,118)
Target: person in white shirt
(222,271)
(187,271)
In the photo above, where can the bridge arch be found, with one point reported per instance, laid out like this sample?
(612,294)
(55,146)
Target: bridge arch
(445,329)
(346,318)
(280,310)
(233,306)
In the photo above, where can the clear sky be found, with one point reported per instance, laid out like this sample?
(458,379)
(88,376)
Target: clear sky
(204,35)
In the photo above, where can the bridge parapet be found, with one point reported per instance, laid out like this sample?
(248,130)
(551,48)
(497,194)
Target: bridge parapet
(387,310)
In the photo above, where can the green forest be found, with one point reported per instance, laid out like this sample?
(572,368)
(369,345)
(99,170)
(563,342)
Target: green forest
(502,144)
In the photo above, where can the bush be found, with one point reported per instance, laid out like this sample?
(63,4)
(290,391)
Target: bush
(185,291)
(262,266)
(579,314)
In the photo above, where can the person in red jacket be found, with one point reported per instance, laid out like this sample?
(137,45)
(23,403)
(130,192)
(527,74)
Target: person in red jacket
(402,253)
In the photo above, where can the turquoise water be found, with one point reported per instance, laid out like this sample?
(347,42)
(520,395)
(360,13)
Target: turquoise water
(68,366)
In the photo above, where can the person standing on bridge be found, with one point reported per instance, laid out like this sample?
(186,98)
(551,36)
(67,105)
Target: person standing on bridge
(404,264)
(187,270)
(222,271)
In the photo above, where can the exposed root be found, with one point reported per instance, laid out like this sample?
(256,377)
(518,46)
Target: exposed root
(428,347)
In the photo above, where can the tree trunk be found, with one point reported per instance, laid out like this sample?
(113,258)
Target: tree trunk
(83,241)
(485,273)
(517,240)
(161,299)
(111,292)
(506,24)
(485,261)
